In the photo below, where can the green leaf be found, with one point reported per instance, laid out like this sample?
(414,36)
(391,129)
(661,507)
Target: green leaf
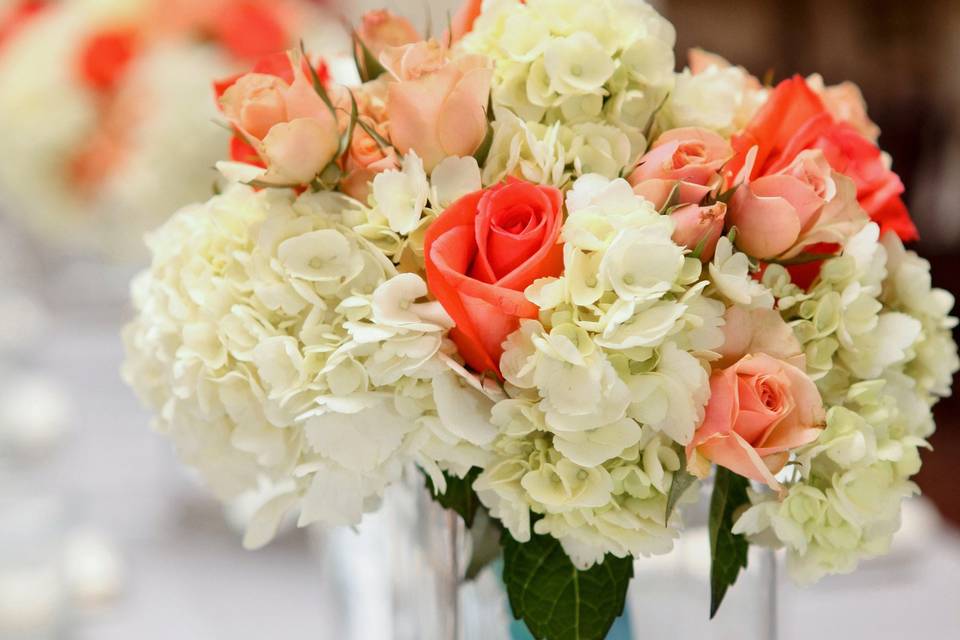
(367,64)
(428,30)
(449,30)
(485,534)
(728,551)
(484,149)
(347,138)
(672,200)
(556,600)
(727,195)
(315,81)
(459,495)
(648,127)
(682,479)
(701,246)
(382,142)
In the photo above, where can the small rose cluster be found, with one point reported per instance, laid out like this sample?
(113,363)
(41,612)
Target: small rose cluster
(496,258)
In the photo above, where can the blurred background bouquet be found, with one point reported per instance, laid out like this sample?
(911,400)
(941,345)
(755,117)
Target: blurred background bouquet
(106,111)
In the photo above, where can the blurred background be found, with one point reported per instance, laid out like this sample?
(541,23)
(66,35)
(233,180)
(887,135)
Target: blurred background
(142,552)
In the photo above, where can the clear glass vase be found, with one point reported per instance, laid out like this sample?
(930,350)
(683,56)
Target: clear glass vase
(401,575)
(669,595)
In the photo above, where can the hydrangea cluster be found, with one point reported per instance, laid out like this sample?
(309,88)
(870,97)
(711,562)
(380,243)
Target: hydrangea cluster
(612,373)
(583,80)
(877,339)
(717,96)
(275,343)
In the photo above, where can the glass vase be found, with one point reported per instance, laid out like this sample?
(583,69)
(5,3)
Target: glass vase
(669,595)
(402,575)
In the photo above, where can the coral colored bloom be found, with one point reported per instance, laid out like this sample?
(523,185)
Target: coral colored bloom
(16,17)
(251,29)
(380,29)
(280,115)
(483,252)
(462,22)
(699,227)
(794,119)
(105,57)
(689,157)
(760,410)
(437,106)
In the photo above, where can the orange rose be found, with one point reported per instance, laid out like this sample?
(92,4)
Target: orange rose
(365,157)
(481,254)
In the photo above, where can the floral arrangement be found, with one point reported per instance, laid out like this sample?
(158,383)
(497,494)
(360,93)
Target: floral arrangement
(567,283)
(105,109)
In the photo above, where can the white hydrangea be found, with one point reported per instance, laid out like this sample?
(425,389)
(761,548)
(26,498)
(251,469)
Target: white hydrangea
(553,154)
(276,344)
(847,507)
(908,289)
(403,203)
(718,98)
(730,277)
(605,384)
(877,338)
(609,61)
(847,332)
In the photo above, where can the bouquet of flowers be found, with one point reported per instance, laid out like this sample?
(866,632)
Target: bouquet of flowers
(105,110)
(564,281)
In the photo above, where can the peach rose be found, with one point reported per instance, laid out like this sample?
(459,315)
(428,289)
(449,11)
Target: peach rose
(364,160)
(482,253)
(689,157)
(781,214)
(762,403)
(285,121)
(697,225)
(793,119)
(845,103)
(437,105)
(700,60)
(365,157)
(380,29)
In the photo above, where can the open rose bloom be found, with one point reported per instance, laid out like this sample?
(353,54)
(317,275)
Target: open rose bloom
(532,260)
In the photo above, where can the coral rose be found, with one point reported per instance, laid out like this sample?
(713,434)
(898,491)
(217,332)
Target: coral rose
(482,252)
(805,204)
(698,227)
(688,157)
(282,117)
(795,118)
(762,403)
(462,21)
(437,106)
(366,157)
(760,409)
(380,29)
